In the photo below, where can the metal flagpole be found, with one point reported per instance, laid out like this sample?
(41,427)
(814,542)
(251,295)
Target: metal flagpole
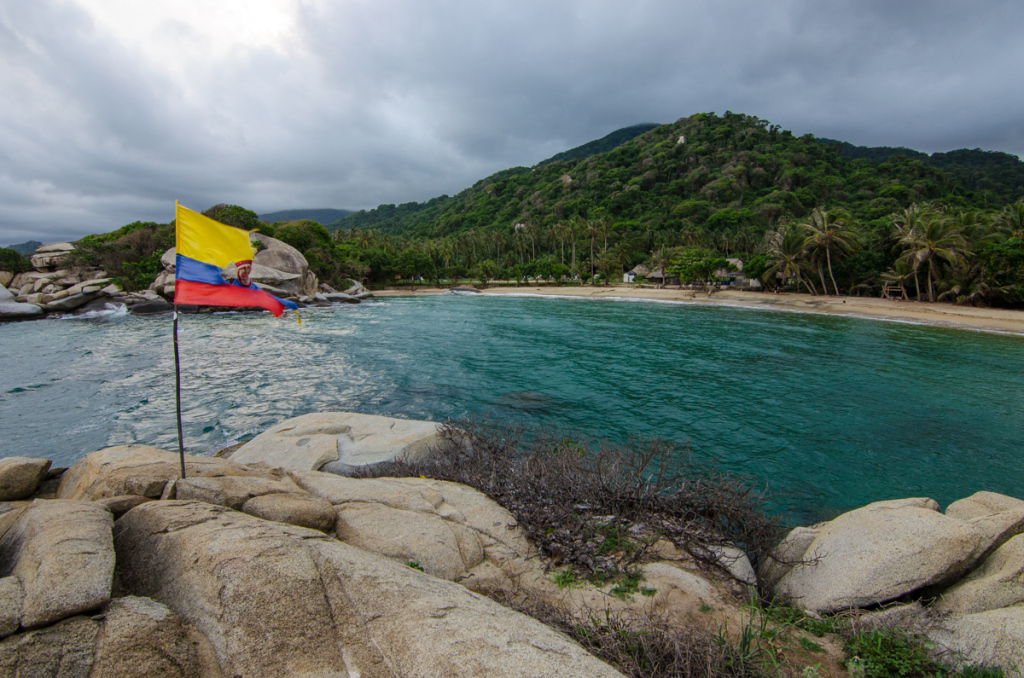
(177,361)
(177,392)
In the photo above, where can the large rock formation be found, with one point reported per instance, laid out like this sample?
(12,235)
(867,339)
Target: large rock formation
(338,442)
(993,638)
(257,571)
(61,554)
(874,554)
(137,470)
(998,582)
(20,477)
(49,256)
(11,309)
(281,600)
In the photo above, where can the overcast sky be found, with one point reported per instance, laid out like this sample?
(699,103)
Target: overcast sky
(112,109)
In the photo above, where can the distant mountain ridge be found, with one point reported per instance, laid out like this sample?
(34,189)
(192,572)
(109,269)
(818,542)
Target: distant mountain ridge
(321,216)
(26,248)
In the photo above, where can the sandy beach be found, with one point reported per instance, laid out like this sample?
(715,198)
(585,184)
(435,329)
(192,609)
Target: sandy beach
(990,319)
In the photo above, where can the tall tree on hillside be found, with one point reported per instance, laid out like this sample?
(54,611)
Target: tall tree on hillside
(938,239)
(832,234)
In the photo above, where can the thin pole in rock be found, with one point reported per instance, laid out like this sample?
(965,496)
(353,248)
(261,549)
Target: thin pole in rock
(177,392)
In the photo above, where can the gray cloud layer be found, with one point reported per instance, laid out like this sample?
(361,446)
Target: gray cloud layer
(398,100)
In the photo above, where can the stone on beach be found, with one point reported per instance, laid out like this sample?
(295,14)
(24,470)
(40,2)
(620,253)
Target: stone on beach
(997,582)
(137,469)
(10,309)
(447,528)
(294,509)
(997,516)
(231,491)
(992,638)
(338,442)
(62,553)
(122,504)
(20,477)
(51,255)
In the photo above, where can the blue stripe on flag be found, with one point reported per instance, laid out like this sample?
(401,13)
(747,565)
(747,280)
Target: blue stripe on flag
(186,268)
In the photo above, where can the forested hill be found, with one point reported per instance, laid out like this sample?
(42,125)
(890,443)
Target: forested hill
(320,216)
(602,145)
(734,175)
(1000,174)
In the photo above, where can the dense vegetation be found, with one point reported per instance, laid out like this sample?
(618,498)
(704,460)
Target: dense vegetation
(321,216)
(707,187)
(824,218)
(603,145)
(996,175)
(13,261)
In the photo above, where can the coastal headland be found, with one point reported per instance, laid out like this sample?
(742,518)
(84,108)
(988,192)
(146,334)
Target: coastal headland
(272,561)
(971,317)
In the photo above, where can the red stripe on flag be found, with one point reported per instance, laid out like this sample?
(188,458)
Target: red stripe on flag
(205,294)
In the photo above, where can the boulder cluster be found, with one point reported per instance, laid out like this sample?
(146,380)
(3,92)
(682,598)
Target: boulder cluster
(119,567)
(259,564)
(58,284)
(957,577)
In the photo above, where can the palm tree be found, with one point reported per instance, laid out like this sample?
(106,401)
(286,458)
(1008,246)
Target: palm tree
(593,230)
(1011,220)
(830,232)
(661,258)
(787,256)
(576,226)
(905,226)
(938,238)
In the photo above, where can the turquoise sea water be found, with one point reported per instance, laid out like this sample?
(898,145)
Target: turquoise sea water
(829,412)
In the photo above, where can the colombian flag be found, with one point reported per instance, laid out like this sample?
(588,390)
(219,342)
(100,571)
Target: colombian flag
(204,247)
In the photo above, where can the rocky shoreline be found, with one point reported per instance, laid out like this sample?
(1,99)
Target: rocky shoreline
(272,562)
(60,285)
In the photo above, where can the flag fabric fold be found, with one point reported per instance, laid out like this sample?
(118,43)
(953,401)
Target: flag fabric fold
(204,247)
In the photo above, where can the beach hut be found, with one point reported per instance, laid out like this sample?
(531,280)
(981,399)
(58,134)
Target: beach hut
(639,271)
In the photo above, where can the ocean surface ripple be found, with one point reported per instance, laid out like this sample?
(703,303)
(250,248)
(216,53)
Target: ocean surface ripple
(828,413)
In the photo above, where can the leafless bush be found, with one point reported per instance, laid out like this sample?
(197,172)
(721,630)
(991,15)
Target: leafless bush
(595,506)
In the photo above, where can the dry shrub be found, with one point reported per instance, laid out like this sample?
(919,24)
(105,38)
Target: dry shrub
(598,507)
(647,647)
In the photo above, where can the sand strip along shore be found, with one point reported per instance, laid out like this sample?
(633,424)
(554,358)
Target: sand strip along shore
(991,319)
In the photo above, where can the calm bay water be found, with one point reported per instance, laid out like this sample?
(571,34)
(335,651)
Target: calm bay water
(830,412)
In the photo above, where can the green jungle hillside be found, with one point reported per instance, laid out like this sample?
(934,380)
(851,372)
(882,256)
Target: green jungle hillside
(802,214)
(602,145)
(321,216)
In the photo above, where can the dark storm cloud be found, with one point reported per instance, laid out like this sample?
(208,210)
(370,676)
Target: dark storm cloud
(398,101)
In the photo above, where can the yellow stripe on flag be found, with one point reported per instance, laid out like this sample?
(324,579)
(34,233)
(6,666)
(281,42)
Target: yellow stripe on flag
(208,241)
